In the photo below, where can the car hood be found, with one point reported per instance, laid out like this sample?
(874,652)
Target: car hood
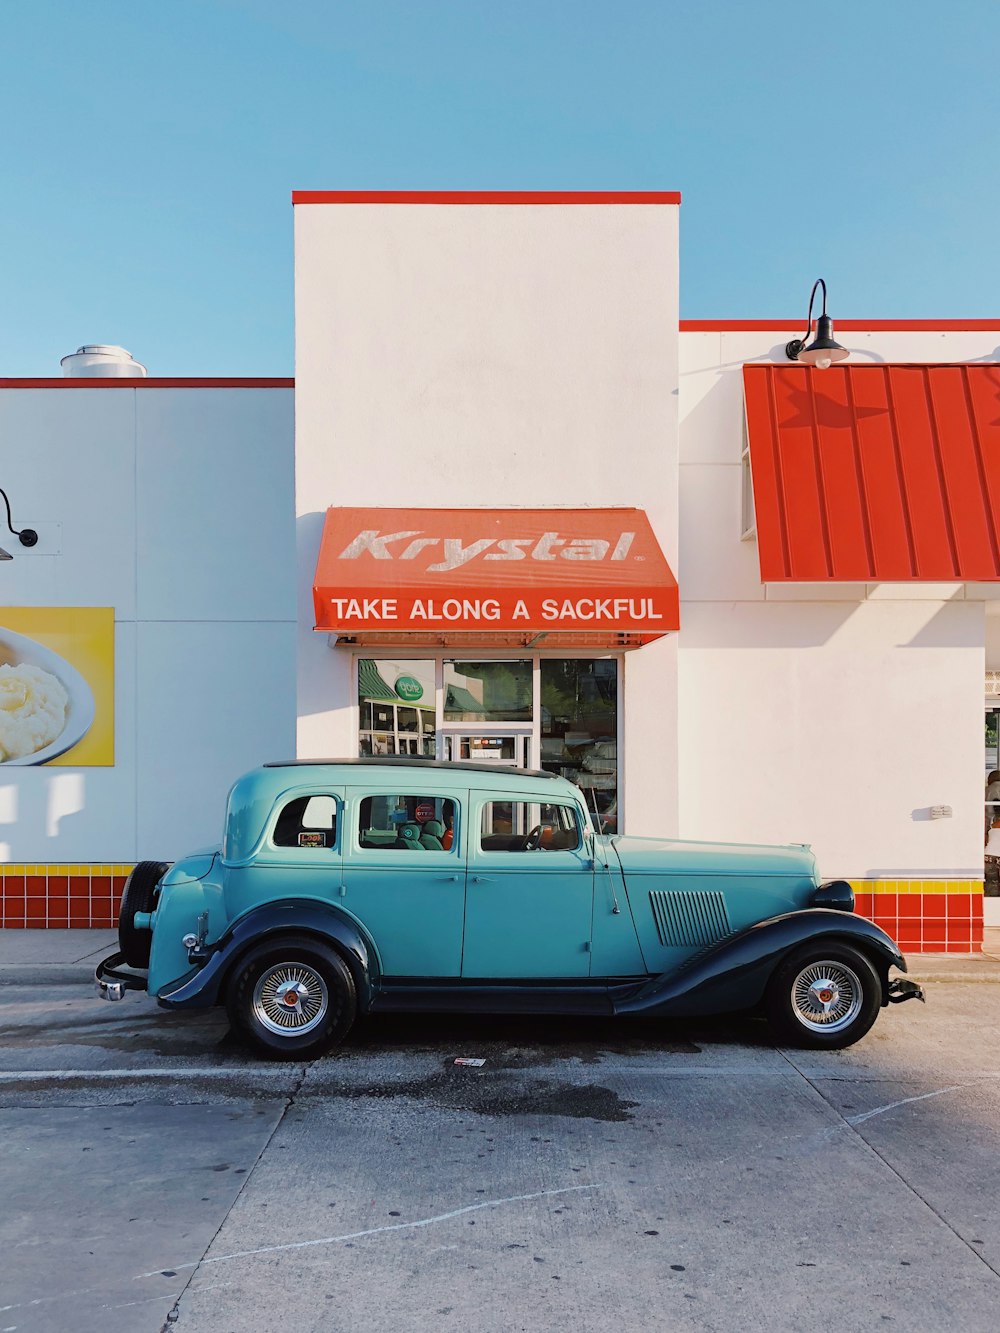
(656,856)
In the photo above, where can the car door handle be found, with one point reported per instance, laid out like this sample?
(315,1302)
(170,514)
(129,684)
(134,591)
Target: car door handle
(481,879)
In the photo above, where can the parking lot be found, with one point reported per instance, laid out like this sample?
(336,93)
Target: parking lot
(657,1176)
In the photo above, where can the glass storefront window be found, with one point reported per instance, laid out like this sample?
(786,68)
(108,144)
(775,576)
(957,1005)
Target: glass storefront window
(579,730)
(396,707)
(576,726)
(991,866)
(487,691)
(406,719)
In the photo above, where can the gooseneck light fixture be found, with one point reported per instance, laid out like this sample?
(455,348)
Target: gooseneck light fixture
(26,536)
(823,350)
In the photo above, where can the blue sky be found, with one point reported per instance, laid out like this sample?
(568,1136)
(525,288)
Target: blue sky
(149,151)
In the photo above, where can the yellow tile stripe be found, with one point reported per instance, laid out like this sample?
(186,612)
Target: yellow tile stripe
(64,870)
(876,886)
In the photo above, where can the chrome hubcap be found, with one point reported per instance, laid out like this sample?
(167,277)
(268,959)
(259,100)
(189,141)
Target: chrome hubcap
(290,998)
(826,995)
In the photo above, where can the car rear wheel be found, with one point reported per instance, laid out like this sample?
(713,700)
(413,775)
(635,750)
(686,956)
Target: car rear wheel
(292,998)
(823,996)
(139,896)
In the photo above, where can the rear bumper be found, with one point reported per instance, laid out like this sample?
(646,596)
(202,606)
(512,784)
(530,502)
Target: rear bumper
(112,984)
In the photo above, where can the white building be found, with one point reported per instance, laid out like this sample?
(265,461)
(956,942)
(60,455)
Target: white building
(509,458)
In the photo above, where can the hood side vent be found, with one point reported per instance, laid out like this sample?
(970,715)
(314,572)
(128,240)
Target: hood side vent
(689,920)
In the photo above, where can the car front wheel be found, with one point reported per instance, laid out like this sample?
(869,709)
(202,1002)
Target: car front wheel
(292,999)
(824,996)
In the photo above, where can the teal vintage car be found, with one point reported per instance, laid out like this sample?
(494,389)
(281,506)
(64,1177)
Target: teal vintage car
(348,887)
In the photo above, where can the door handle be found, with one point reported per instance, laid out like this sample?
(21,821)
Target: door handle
(481,879)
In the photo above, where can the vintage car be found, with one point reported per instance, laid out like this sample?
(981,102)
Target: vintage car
(350,887)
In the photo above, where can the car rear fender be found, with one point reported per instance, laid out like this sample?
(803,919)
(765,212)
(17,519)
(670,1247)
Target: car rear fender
(205,984)
(733,974)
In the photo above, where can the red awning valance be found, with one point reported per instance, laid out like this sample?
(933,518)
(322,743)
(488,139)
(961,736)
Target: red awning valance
(500,577)
(866,473)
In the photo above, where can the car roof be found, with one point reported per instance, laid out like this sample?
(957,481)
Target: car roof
(252,796)
(405,761)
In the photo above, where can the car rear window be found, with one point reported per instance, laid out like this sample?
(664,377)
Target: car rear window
(307,821)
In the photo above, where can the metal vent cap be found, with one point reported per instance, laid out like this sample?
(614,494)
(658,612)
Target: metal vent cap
(101,361)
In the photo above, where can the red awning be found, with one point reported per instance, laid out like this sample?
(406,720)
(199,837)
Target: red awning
(866,473)
(500,577)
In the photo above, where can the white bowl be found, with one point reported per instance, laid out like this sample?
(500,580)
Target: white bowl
(79,710)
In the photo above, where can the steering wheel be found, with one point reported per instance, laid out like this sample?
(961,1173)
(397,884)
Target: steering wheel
(533,842)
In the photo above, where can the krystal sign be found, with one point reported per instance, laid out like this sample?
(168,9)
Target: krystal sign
(524,572)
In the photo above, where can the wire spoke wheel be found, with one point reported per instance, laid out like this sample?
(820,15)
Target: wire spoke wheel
(290,999)
(827,995)
(824,995)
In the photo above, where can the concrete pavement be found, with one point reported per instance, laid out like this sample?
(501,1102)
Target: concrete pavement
(688,1176)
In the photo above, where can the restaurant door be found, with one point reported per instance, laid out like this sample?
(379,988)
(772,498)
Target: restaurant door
(489,745)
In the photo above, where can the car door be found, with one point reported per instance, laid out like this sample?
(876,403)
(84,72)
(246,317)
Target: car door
(407,887)
(530,889)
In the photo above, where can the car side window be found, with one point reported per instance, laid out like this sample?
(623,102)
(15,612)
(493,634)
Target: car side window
(409,823)
(528,826)
(307,821)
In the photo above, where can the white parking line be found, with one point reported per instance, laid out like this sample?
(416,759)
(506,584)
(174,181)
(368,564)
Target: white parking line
(905,1101)
(374,1231)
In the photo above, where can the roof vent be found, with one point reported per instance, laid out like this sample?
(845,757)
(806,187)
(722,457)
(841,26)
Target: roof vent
(102,361)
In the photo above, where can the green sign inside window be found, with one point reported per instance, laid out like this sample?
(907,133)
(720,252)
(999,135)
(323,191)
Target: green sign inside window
(408,687)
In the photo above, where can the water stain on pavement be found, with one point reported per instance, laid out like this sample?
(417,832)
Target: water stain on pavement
(476,1091)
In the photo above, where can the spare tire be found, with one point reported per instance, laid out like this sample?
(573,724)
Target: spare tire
(139,895)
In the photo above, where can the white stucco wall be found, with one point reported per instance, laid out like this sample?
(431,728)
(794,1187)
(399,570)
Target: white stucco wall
(487,356)
(838,714)
(993,636)
(174,506)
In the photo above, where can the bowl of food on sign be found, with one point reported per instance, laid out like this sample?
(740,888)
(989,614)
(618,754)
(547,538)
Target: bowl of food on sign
(46,706)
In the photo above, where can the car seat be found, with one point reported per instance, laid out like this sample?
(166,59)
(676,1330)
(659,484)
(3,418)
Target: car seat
(409,837)
(430,838)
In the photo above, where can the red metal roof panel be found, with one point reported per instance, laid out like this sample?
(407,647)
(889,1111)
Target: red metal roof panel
(865,473)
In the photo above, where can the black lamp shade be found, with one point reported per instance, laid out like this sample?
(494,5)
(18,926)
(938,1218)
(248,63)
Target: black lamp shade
(823,349)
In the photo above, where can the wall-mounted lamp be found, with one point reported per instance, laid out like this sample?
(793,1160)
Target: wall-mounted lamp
(823,350)
(26,536)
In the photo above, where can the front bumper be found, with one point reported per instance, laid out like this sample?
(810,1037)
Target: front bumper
(112,984)
(902,988)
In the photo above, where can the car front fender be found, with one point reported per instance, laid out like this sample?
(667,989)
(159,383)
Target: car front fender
(733,974)
(204,985)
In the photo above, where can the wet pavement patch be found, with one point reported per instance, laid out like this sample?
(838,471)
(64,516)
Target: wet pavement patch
(481,1093)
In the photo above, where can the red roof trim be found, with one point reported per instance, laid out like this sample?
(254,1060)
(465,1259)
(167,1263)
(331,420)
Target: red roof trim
(147,383)
(849,325)
(485,197)
(876,473)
